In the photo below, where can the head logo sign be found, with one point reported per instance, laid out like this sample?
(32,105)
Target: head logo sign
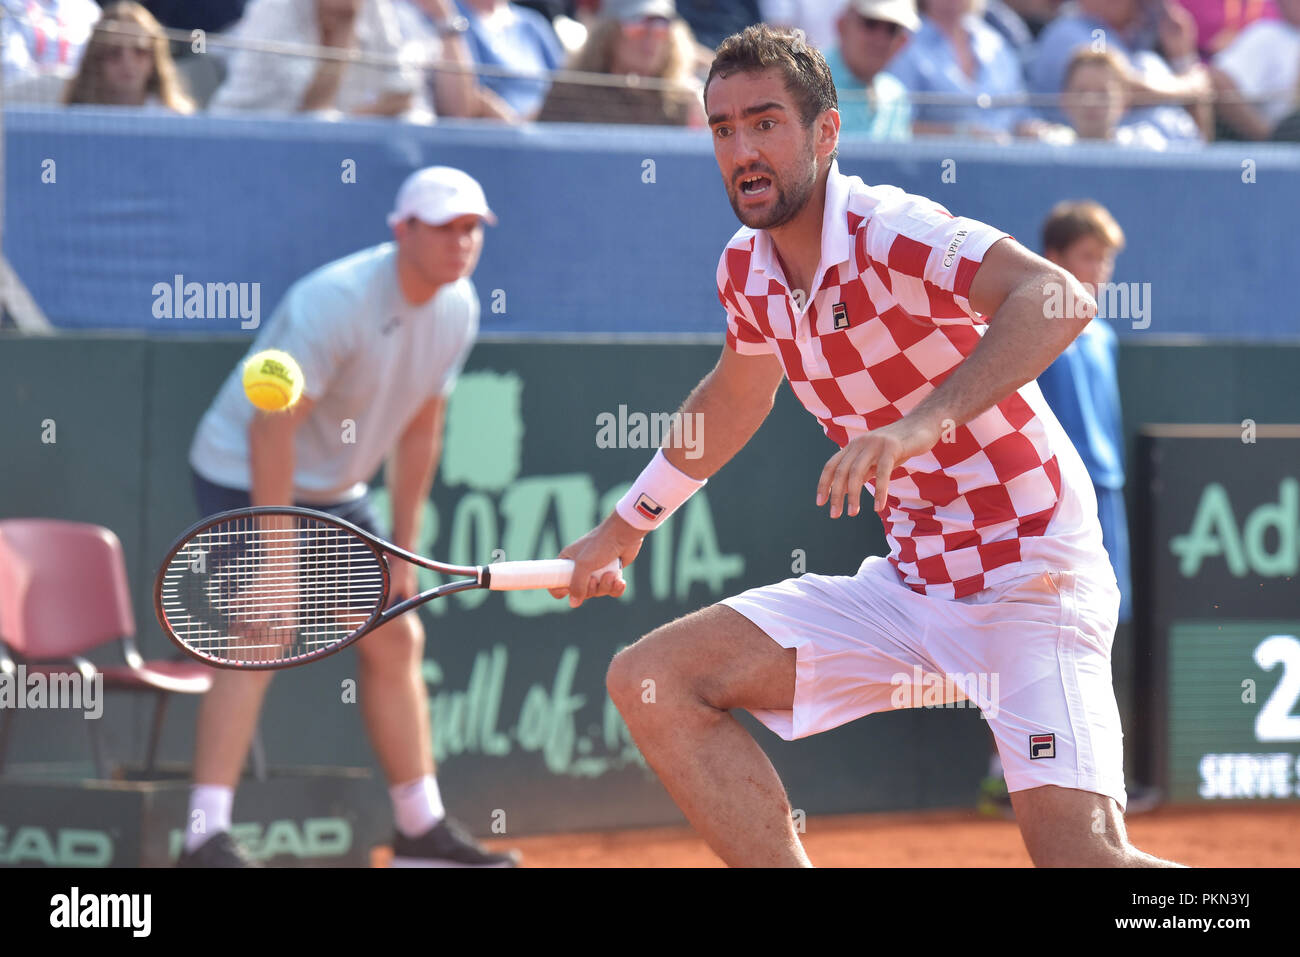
(54,847)
(316,837)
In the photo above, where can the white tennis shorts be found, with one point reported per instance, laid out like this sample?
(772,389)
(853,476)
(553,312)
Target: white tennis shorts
(1032,653)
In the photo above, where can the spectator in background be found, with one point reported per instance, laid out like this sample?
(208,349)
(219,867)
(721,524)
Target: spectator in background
(128,63)
(1218,22)
(643,38)
(1257,78)
(290,83)
(872,101)
(433,31)
(1082,384)
(1131,30)
(514,38)
(43,41)
(956,53)
(1096,99)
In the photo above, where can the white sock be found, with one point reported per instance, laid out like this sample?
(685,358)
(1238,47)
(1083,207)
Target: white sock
(995,765)
(209,813)
(417,805)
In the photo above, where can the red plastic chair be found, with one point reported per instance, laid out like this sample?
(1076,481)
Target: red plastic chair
(63,592)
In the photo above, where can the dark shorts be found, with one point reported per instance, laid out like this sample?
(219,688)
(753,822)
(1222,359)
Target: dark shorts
(212,498)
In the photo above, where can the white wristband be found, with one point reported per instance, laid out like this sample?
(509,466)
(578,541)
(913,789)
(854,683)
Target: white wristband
(657,492)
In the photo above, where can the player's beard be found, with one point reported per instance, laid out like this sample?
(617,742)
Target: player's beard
(788,205)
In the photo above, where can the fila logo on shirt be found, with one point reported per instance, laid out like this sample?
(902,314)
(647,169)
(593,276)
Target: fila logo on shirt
(841,314)
(649,507)
(1042,746)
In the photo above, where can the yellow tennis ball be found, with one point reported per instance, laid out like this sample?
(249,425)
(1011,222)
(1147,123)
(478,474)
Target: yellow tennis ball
(272,380)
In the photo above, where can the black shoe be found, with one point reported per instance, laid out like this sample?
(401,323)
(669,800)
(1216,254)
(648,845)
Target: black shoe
(219,851)
(447,844)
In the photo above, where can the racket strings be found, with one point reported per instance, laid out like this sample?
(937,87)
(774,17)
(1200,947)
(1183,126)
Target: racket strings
(251,590)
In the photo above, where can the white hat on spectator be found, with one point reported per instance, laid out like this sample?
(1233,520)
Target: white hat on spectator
(437,195)
(626,10)
(902,12)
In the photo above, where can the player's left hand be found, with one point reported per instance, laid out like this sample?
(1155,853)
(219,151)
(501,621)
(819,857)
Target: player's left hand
(871,457)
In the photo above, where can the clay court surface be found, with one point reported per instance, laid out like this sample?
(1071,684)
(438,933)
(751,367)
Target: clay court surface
(1223,836)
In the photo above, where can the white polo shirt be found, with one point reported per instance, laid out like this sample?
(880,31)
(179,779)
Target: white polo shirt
(370,360)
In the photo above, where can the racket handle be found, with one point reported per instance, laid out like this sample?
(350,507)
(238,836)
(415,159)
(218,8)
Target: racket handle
(550,573)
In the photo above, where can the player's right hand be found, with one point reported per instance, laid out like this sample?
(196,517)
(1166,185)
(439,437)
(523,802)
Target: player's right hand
(611,539)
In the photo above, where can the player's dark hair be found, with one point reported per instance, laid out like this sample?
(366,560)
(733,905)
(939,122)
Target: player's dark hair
(761,47)
(1070,221)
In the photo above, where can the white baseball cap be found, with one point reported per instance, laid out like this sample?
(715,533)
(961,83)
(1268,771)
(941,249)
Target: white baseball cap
(437,195)
(902,12)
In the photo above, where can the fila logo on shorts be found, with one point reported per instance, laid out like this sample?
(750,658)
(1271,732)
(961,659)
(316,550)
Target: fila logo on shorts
(648,507)
(964,515)
(1042,746)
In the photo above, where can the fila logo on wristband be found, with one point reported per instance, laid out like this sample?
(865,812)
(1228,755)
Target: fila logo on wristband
(648,507)
(659,491)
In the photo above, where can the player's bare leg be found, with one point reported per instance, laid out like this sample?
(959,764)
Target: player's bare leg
(394,702)
(1063,827)
(701,666)
(227,721)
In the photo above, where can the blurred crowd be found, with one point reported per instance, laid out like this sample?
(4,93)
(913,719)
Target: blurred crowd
(1151,74)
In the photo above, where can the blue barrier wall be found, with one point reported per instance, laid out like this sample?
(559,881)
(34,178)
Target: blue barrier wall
(585,243)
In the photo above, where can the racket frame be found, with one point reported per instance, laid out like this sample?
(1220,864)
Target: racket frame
(472,576)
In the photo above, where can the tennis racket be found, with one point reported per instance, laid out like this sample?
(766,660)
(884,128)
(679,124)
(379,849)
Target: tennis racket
(264,588)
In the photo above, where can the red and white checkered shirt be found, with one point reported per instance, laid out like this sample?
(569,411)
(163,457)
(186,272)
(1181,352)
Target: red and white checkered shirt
(1006,495)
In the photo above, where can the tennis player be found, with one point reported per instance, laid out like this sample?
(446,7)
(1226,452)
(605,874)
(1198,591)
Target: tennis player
(914,338)
(381,336)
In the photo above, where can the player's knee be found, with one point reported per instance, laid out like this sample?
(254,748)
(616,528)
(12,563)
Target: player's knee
(640,675)
(397,643)
(624,677)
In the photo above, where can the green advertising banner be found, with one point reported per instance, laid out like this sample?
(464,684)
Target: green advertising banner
(1220,559)
(541,438)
